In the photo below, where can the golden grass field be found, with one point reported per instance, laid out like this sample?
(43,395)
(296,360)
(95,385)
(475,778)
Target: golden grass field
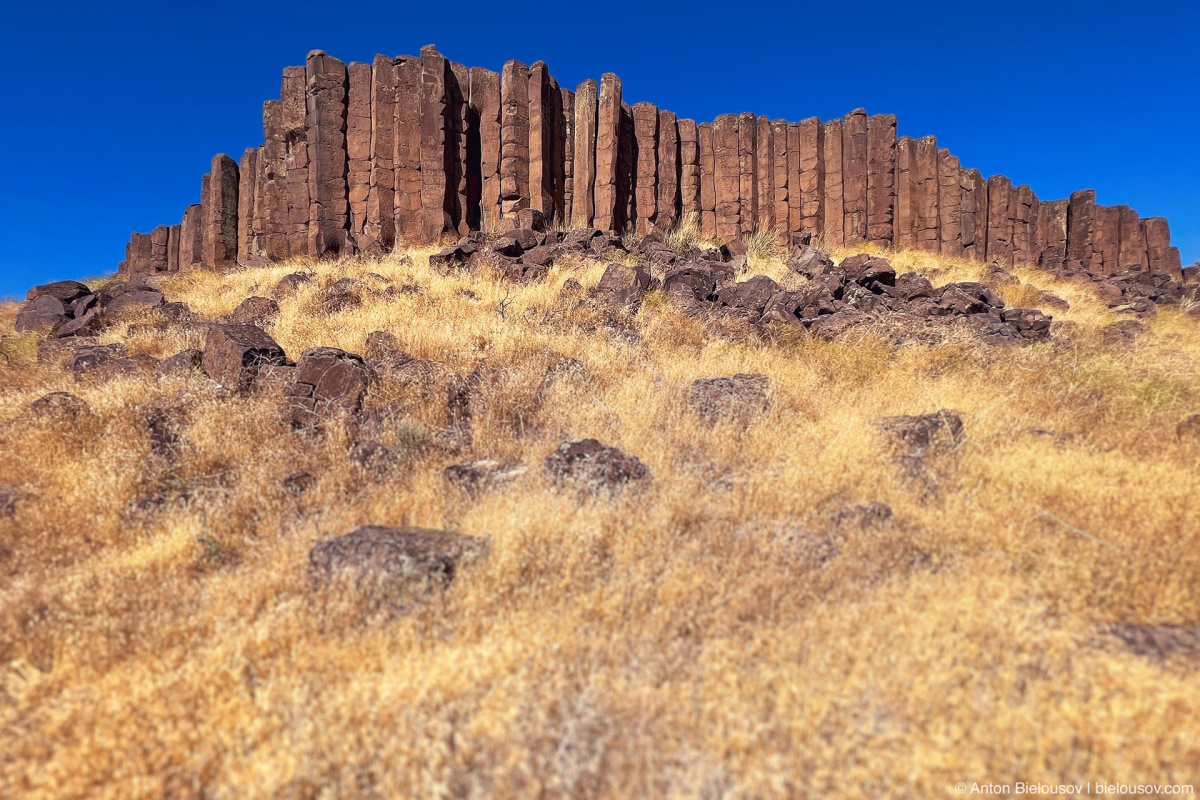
(160,638)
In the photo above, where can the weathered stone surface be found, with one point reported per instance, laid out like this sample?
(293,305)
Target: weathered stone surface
(61,408)
(925,194)
(297,159)
(483,475)
(881,178)
(1023,211)
(727,177)
(247,190)
(999,243)
(234,354)
(905,228)
(258,311)
(1081,215)
(220,238)
(185,363)
(327,381)
(380,222)
(44,315)
(541,137)
(132,302)
(436,192)
(358,144)
(708,184)
(190,237)
(645,132)
(625,213)
(1158,242)
(764,178)
(514,138)
(1052,234)
(590,465)
(325,114)
(1132,233)
(811,149)
(779,169)
(689,169)
(834,229)
(173,248)
(407,162)
(382,562)
(739,398)
(289,284)
(484,102)
(667,204)
(622,287)
(973,198)
(747,132)
(91,357)
(66,291)
(584,163)
(854,176)
(949,205)
(567,143)
(159,241)
(459,196)
(924,434)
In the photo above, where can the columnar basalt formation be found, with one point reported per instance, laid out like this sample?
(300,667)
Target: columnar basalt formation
(411,149)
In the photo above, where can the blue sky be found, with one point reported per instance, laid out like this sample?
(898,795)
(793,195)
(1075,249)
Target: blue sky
(113,111)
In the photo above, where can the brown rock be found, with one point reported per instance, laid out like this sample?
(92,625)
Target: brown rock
(359,94)
(183,364)
(247,191)
(999,240)
(1080,220)
(689,169)
(854,176)
(949,205)
(325,116)
(812,175)
(91,357)
(514,138)
(645,131)
(937,433)
(61,408)
(973,209)
(924,177)
(173,248)
(407,161)
(622,287)
(585,153)
(590,465)
(392,562)
(567,120)
(727,177)
(220,222)
(1052,234)
(881,178)
(43,315)
(1132,233)
(779,170)
(436,192)
(380,224)
(747,130)
(327,381)
(136,301)
(905,230)
(484,475)
(708,186)
(259,311)
(459,197)
(1158,244)
(289,284)
(667,203)
(298,187)
(764,161)
(1188,429)
(739,398)
(485,103)
(190,237)
(541,139)
(1023,211)
(608,135)
(835,202)
(234,354)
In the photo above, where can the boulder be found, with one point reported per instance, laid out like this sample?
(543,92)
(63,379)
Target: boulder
(289,284)
(257,311)
(377,559)
(234,354)
(869,272)
(810,262)
(91,357)
(327,381)
(588,464)
(622,287)
(135,301)
(451,258)
(44,314)
(342,295)
(87,324)
(183,364)
(917,435)
(381,343)
(136,366)
(10,497)
(371,457)
(62,408)
(748,298)
(66,292)
(966,297)
(740,397)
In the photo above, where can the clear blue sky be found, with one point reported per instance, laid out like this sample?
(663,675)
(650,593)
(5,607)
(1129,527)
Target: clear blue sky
(113,111)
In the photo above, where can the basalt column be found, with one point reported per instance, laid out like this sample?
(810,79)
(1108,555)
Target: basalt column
(626,211)
(437,190)
(247,191)
(727,176)
(273,183)
(835,221)
(645,133)
(925,193)
(1081,216)
(1133,240)
(764,176)
(854,176)
(881,178)
(173,248)
(191,240)
(812,175)
(973,198)
(668,170)
(1024,213)
(541,173)
(608,134)
(380,225)
(747,174)
(407,160)
(708,173)
(689,170)
(1052,234)
(457,199)
(160,240)
(1158,245)
(325,100)
(779,137)
(358,145)
(296,159)
(567,122)
(221,214)
(999,245)
(1106,242)
(585,154)
(905,228)
(795,215)
(485,109)
(949,205)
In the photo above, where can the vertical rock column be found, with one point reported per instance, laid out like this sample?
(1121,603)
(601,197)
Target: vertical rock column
(541,179)
(1133,240)
(221,214)
(795,215)
(881,178)
(1052,234)
(854,176)
(485,102)
(160,240)
(191,241)
(905,228)
(407,161)
(925,193)
(1158,245)
(645,132)
(272,184)
(782,188)
(247,191)
(972,222)
(747,174)
(764,174)
(296,159)
(626,204)
(726,176)
(668,170)
(567,109)
(457,87)
(708,176)
(1023,210)
(835,207)
(325,105)
(173,248)
(436,191)
(358,146)
(608,134)
(381,223)
(585,154)
(1081,216)
(949,205)
(812,175)
(689,170)
(999,244)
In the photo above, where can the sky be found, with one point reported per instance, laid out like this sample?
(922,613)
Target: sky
(112,112)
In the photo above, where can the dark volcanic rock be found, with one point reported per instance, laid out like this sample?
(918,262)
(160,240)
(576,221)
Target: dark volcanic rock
(91,357)
(253,311)
(61,407)
(134,302)
(622,287)
(183,364)
(482,475)
(939,432)
(65,291)
(43,314)
(739,397)
(327,381)
(592,465)
(378,559)
(234,354)
(289,284)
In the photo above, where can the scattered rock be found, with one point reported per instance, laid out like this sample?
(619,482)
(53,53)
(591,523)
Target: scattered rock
(327,381)
(1122,332)
(91,357)
(10,497)
(259,311)
(88,324)
(290,284)
(342,295)
(486,474)
(380,344)
(185,363)
(234,354)
(1188,429)
(1159,642)
(937,433)
(622,287)
(298,483)
(371,457)
(739,397)
(61,408)
(589,464)
(44,314)
(65,291)
(136,366)
(133,302)
(866,517)
(380,560)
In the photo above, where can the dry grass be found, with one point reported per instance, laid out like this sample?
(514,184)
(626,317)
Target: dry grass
(159,637)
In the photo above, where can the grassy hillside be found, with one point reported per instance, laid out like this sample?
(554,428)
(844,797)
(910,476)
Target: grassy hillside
(743,625)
